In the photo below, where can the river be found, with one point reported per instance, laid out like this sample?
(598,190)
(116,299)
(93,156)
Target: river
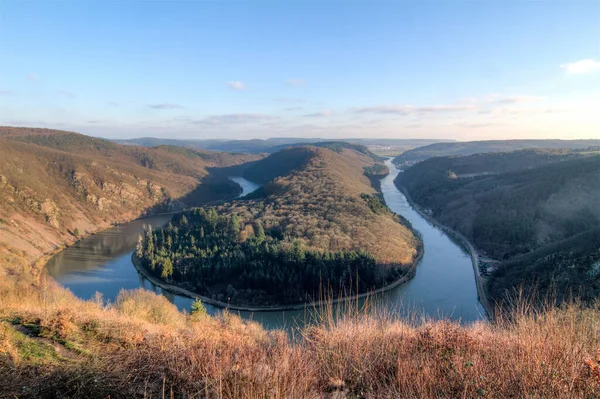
(443,286)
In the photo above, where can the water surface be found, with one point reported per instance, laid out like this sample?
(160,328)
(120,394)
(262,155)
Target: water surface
(443,287)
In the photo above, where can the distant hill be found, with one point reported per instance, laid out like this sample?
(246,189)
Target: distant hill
(475,147)
(316,223)
(537,211)
(271,145)
(55,184)
(337,146)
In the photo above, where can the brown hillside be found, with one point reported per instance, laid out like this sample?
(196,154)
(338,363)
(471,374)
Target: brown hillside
(323,203)
(53,182)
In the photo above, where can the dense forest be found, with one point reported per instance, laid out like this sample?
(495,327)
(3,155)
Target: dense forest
(316,225)
(491,146)
(206,252)
(521,208)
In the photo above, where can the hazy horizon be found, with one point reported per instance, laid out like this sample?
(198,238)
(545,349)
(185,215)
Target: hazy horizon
(216,70)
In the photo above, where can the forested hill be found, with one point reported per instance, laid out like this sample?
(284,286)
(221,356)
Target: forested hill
(274,144)
(317,223)
(57,185)
(523,208)
(477,147)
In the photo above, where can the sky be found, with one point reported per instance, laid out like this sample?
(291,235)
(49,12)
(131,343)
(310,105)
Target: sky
(197,69)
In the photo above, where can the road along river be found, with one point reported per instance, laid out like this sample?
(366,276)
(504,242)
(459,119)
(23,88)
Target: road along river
(443,286)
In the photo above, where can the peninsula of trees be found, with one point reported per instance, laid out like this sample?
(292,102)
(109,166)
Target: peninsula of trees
(318,228)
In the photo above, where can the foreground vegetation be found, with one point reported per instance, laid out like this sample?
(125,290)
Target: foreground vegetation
(54,345)
(536,211)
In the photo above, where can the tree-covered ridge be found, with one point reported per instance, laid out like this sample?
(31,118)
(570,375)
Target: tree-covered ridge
(319,225)
(217,255)
(566,268)
(489,146)
(322,204)
(521,208)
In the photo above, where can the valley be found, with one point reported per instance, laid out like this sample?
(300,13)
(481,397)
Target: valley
(334,203)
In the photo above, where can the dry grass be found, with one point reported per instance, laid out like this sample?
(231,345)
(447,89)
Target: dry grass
(54,345)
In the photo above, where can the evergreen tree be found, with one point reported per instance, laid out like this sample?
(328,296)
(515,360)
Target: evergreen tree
(197,310)
(260,232)
(167,268)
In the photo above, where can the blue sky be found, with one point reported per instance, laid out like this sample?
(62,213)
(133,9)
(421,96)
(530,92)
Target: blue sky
(244,69)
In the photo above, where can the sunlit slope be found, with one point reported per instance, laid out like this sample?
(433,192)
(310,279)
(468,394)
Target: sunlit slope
(56,185)
(323,198)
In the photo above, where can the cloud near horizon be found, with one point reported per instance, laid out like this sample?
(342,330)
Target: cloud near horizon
(296,82)
(412,109)
(289,100)
(236,85)
(164,106)
(517,100)
(321,114)
(581,67)
(228,119)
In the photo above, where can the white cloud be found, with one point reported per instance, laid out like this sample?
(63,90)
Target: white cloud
(234,119)
(236,85)
(321,114)
(33,76)
(289,100)
(581,67)
(517,100)
(296,82)
(412,109)
(164,106)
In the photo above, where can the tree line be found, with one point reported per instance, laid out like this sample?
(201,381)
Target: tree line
(215,255)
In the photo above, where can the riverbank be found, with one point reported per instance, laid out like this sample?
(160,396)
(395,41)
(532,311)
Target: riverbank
(299,306)
(479,280)
(39,264)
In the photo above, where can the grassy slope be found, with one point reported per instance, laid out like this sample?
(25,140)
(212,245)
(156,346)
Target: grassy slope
(53,182)
(476,147)
(53,345)
(521,207)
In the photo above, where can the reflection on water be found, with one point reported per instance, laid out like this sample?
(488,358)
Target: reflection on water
(247,186)
(444,284)
(102,262)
